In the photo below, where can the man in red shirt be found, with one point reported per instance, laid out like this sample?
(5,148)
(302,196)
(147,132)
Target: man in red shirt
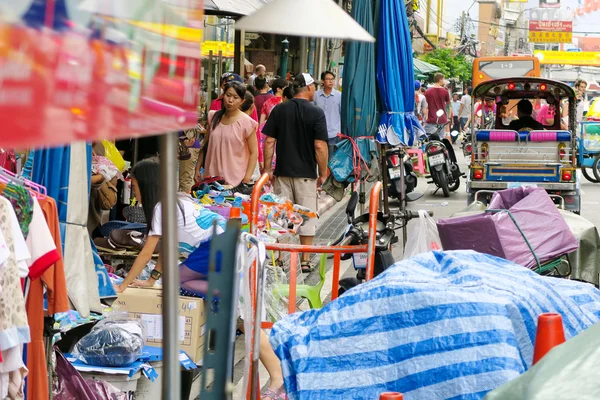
(437,98)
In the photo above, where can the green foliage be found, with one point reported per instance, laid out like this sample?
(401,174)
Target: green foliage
(450,64)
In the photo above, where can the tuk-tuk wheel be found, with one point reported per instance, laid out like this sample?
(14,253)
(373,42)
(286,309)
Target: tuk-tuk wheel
(596,168)
(589,175)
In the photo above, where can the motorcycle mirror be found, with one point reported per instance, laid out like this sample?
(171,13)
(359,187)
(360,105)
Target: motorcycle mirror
(351,207)
(439,113)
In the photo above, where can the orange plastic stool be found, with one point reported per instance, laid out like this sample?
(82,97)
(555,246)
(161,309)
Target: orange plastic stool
(391,396)
(420,167)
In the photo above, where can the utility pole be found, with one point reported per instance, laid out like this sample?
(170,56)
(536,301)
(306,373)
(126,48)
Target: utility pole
(439,19)
(428,16)
(463,21)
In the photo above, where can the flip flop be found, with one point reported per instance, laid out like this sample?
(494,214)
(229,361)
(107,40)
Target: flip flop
(274,395)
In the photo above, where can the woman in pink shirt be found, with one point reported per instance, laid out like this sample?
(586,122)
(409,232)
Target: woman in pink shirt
(232,149)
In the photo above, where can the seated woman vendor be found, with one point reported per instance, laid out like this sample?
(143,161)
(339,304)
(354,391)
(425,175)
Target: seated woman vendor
(195,227)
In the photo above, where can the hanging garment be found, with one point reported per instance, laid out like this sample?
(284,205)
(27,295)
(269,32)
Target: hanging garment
(40,243)
(14,328)
(56,292)
(12,374)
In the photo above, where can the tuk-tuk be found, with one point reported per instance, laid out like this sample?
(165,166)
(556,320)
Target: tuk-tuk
(507,154)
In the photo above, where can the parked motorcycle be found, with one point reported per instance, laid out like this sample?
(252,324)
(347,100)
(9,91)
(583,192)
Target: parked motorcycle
(394,157)
(357,233)
(467,143)
(441,160)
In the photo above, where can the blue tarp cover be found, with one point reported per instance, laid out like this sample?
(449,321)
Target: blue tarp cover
(441,325)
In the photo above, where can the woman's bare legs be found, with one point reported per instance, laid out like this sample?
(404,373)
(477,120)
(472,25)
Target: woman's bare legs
(270,361)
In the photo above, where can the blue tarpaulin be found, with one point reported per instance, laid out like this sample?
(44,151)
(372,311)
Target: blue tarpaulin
(441,325)
(65,172)
(359,105)
(395,76)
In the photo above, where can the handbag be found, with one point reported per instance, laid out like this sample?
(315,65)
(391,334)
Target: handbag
(107,195)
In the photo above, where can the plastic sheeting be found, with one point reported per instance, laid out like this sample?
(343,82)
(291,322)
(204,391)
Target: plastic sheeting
(497,234)
(585,261)
(69,384)
(439,325)
(570,371)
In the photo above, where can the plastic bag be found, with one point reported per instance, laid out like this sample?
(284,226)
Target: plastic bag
(424,237)
(111,152)
(116,341)
(69,384)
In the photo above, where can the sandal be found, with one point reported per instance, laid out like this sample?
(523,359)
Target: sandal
(274,395)
(307,267)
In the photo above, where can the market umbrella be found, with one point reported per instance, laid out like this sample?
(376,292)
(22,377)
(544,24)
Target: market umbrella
(64,172)
(423,68)
(359,106)
(309,18)
(395,76)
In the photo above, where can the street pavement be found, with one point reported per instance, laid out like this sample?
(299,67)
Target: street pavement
(333,221)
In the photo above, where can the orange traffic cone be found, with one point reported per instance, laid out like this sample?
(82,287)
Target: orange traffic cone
(391,396)
(550,333)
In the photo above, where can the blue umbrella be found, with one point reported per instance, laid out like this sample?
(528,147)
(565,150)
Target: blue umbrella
(359,106)
(395,76)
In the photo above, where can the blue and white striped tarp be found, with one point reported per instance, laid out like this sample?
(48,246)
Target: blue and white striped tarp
(442,325)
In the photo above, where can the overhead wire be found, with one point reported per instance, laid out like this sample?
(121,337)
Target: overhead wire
(423,6)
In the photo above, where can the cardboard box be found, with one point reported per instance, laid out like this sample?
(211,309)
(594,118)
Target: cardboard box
(145,304)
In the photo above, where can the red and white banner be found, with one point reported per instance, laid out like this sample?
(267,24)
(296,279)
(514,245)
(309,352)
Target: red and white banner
(551,26)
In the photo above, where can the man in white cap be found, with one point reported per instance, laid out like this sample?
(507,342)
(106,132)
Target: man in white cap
(299,130)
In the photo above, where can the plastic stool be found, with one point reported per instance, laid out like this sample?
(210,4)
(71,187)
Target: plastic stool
(420,168)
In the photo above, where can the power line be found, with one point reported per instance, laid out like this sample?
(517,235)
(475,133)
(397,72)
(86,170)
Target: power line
(431,12)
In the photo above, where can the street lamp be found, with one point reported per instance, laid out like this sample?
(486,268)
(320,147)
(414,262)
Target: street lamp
(285,51)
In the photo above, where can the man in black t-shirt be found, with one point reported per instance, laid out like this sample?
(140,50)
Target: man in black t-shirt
(525,121)
(298,129)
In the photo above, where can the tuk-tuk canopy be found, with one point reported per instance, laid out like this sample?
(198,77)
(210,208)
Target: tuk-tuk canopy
(523,87)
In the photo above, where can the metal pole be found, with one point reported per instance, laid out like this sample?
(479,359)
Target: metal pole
(210,84)
(171,388)
(384,178)
(403,198)
(439,19)
(427,17)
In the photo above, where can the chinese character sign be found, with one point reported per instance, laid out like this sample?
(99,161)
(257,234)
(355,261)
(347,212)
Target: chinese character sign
(550,29)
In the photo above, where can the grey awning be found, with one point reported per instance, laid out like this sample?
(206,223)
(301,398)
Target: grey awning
(233,7)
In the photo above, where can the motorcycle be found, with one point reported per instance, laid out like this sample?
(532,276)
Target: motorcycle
(441,160)
(467,143)
(394,157)
(357,233)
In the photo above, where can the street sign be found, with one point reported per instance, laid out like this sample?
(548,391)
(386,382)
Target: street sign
(550,37)
(550,31)
(583,58)
(252,36)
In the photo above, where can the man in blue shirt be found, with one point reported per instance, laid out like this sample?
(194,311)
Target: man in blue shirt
(330,101)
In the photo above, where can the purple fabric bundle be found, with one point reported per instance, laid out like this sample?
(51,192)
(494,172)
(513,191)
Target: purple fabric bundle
(496,233)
